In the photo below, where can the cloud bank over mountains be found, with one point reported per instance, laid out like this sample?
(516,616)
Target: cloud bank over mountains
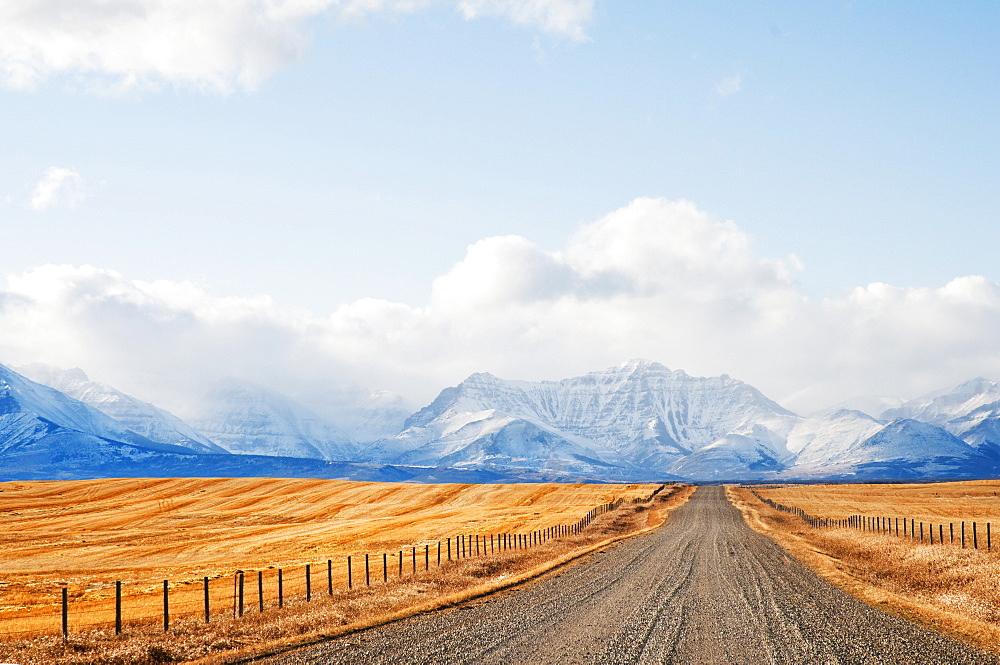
(657,278)
(208,45)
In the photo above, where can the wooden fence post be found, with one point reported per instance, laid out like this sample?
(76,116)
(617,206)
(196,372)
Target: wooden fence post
(166,606)
(963,535)
(368,579)
(350,577)
(975,537)
(413,560)
(65,612)
(329,576)
(385,570)
(308,584)
(989,541)
(400,564)
(427,557)
(204,583)
(260,590)
(241,592)
(281,590)
(118,607)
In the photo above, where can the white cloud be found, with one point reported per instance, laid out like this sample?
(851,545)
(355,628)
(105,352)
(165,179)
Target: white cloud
(212,45)
(58,187)
(729,86)
(657,279)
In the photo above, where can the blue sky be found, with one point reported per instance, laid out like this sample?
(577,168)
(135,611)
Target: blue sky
(328,153)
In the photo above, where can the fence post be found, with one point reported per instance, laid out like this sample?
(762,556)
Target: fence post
(989,541)
(241,592)
(205,585)
(368,579)
(65,612)
(439,552)
(350,577)
(329,576)
(281,590)
(166,606)
(260,590)
(413,560)
(400,564)
(118,607)
(975,537)
(963,535)
(385,570)
(309,589)
(449,549)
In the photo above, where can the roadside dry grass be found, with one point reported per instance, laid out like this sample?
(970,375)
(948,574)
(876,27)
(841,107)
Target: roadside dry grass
(946,588)
(226,639)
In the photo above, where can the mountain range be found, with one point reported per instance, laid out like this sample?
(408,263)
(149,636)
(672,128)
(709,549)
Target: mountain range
(638,421)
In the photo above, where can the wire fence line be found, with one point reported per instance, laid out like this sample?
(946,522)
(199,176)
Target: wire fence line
(109,605)
(963,534)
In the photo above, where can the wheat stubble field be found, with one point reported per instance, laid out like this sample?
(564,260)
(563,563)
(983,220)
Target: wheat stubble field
(954,590)
(85,535)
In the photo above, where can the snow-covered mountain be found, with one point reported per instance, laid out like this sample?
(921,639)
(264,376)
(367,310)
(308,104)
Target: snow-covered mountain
(25,398)
(970,411)
(819,441)
(362,414)
(137,416)
(637,419)
(249,419)
(45,431)
(910,449)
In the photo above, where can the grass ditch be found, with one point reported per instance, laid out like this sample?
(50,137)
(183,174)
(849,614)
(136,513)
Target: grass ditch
(946,588)
(299,623)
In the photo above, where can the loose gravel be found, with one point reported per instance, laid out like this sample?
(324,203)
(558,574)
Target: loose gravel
(703,589)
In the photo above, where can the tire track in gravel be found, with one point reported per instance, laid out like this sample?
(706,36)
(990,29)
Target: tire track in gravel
(703,589)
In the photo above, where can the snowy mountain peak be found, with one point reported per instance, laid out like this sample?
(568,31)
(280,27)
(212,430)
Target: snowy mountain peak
(639,413)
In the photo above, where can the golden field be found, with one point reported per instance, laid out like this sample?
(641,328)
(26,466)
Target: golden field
(143,531)
(85,535)
(947,588)
(976,500)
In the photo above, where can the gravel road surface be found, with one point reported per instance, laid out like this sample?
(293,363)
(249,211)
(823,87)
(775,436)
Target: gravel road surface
(703,589)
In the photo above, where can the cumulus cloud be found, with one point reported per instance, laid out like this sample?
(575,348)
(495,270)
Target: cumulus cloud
(57,187)
(658,279)
(216,45)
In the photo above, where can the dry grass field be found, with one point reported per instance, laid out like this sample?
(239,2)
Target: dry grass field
(977,500)
(85,535)
(954,590)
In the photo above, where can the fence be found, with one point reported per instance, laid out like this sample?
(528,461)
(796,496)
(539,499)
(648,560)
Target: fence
(968,532)
(232,596)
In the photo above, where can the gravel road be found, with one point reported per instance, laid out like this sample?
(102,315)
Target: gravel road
(703,589)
